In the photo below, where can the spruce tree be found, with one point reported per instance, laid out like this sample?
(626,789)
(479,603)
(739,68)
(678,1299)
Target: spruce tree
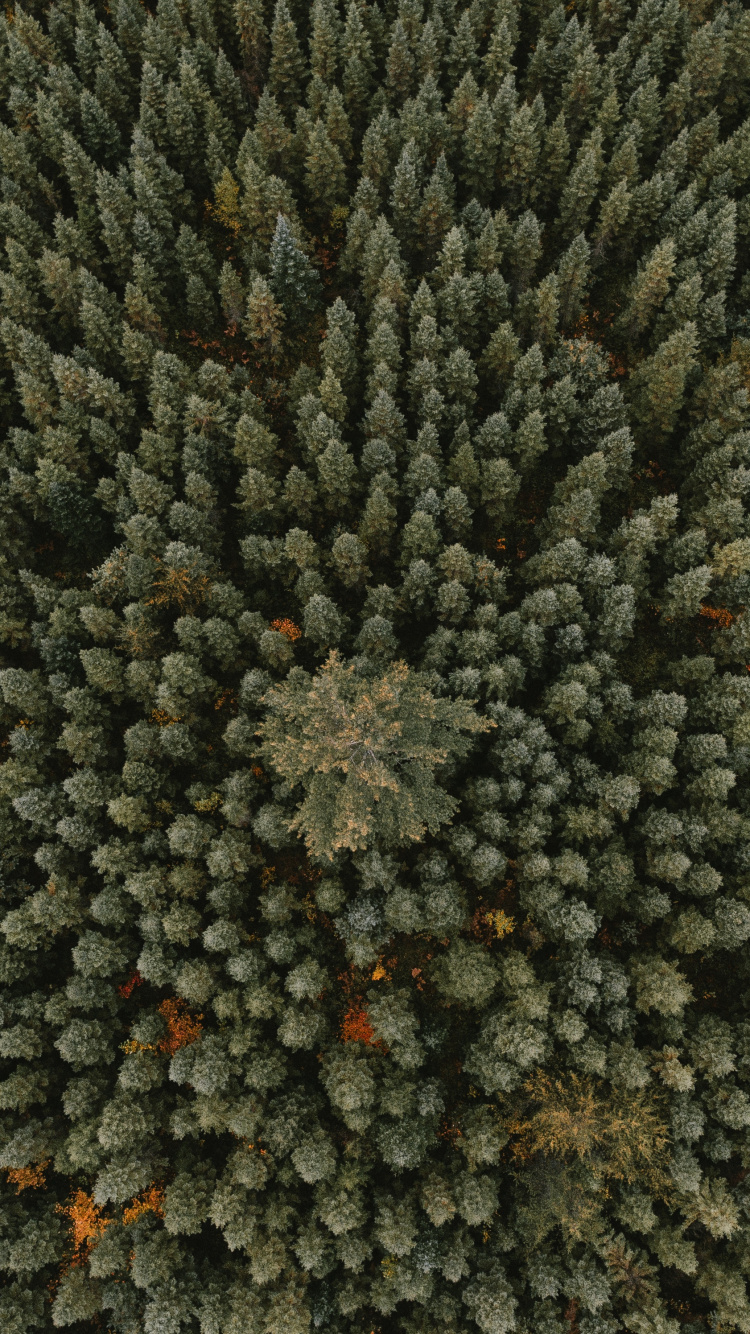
(293,280)
(325,173)
(286,66)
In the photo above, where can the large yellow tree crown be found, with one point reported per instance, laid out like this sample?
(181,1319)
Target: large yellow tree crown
(364,752)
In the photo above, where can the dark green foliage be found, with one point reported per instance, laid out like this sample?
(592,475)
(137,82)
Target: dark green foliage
(293,281)
(374,652)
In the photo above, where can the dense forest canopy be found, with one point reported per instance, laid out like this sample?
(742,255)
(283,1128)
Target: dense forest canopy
(375,666)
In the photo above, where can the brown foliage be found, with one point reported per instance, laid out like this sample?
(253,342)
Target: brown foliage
(164,719)
(182,1029)
(633,1276)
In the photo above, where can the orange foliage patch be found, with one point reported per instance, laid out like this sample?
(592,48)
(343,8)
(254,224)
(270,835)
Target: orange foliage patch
(356,1027)
(137,640)
(719,615)
(86,1224)
(27,1178)
(490,924)
(287,628)
(164,719)
(149,1201)
(591,323)
(226,697)
(128,987)
(182,1027)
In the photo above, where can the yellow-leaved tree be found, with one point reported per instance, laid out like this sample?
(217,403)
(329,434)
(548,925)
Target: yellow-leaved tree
(364,752)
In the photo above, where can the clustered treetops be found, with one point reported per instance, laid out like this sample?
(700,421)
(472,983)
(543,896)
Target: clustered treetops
(375,666)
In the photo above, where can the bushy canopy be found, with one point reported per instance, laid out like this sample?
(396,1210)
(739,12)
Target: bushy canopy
(364,752)
(374,666)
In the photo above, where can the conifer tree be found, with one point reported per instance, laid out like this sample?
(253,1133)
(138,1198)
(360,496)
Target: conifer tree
(286,66)
(253,39)
(325,41)
(325,174)
(357,63)
(400,64)
(480,150)
(292,279)
(383,737)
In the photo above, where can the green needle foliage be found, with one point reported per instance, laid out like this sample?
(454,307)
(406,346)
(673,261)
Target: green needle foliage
(374,666)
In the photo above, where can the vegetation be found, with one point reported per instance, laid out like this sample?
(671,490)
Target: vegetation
(375,666)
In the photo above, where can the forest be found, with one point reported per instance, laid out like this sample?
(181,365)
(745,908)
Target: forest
(375,666)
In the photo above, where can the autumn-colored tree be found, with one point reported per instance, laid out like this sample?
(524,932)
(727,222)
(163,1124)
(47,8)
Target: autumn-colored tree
(364,751)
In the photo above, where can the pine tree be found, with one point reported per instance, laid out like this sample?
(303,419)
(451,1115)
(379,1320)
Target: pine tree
(436,212)
(358,64)
(286,66)
(325,41)
(659,383)
(378,522)
(521,153)
(325,173)
(339,349)
(315,730)
(405,197)
(613,215)
(525,247)
(572,274)
(292,279)
(462,51)
(338,128)
(649,289)
(264,319)
(253,40)
(399,65)
(480,150)
(428,51)
(580,188)
(497,60)
(271,137)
